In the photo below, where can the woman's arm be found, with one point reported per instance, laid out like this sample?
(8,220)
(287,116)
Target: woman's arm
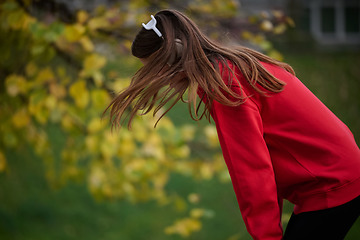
(240,133)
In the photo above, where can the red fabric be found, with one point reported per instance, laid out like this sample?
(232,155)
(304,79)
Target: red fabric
(287,145)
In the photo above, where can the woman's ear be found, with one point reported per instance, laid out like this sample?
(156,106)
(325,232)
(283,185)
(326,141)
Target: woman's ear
(177,53)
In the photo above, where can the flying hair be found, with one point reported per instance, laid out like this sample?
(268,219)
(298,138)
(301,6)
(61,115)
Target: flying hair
(184,59)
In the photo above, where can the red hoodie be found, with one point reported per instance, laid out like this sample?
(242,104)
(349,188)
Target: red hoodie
(286,145)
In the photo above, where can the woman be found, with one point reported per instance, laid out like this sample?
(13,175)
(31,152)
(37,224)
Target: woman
(278,140)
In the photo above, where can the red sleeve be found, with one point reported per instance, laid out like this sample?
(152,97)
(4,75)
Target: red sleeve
(240,133)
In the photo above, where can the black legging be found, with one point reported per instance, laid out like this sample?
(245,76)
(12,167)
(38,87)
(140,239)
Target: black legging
(330,224)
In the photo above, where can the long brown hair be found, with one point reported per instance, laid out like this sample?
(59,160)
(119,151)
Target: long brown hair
(197,66)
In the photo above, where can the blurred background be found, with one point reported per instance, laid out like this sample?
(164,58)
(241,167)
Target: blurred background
(65,175)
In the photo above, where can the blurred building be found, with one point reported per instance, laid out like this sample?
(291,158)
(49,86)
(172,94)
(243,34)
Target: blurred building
(335,21)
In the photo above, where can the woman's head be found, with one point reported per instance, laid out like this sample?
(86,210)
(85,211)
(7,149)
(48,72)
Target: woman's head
(172,62)
(176,30)
(182,59)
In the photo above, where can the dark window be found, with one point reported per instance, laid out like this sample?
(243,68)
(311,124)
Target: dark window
(352,19)
(305,23)
(328,19)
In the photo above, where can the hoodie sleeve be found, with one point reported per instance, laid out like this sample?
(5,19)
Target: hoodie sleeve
(240,133)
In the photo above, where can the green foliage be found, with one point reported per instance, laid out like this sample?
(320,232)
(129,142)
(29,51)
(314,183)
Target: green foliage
(64,74)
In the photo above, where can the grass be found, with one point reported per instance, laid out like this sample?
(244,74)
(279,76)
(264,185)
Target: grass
(335,79)
(29,209)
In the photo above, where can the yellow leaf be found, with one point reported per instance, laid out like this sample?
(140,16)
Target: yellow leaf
(112,74)
(127,145)
(69,156)
(265,45)
(98,78)
(181,152)
(41,115)
(37,49)
(86,44)
(21,118)
(127,44)
(290,21)
(258,39)
(15,84)
(197,212)
(99,98)
(211,135)
(50,102)
(119,84)
(279,29)
(140,134)
(37,99)
(206,171)
(2,162)
(113,13)
(98,22)
(61,71)
(96,178)
(31,69)
(67,122)
(79,93)
(82,16)
(92,143)
(160,180)
(107,190)
(194,198)
(184,227)
(188,132)
(266,26)
(134,170)
(74,32)
(57,90)
(45,75)
(65,80)
(184,168)
(253,19)
(92,63)
(71,172)
(96,125)
(18,19)
(276,55)
(153,147)
(277,14)
(128,188)
(247,35)
(164,124)
(151,167)
(224,8)
(107,150)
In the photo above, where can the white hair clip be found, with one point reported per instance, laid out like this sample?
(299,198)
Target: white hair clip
(152,25)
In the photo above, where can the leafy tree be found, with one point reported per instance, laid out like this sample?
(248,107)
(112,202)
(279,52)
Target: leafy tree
(60,68)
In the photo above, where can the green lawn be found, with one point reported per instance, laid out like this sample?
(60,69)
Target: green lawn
(30,210)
